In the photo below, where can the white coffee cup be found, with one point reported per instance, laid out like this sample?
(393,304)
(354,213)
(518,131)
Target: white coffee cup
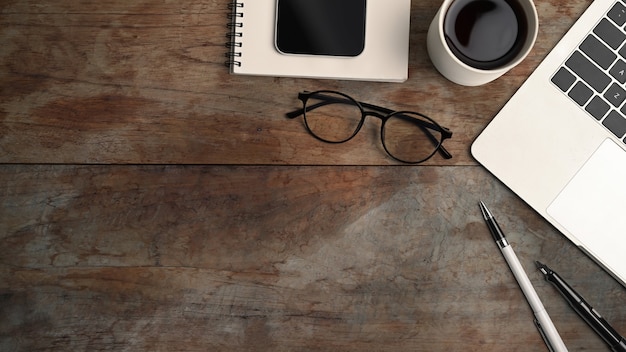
(463,69)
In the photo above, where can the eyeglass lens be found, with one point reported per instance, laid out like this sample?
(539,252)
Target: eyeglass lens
(406,139)
(336,118)
(333,118)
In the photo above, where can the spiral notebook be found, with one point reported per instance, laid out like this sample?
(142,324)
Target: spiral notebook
(385,54)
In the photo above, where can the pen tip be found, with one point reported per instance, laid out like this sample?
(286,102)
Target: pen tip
(483,208)
(542,268)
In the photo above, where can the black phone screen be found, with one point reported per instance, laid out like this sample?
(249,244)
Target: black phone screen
(321,27)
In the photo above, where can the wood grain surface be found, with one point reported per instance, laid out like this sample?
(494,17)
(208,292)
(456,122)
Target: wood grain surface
(151,201)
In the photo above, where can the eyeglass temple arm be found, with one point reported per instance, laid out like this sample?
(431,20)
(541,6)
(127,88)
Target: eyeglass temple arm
(327,100)
(296,113)
(424,125)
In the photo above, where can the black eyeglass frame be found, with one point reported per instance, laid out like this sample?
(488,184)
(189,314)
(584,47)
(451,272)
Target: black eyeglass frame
(425,125)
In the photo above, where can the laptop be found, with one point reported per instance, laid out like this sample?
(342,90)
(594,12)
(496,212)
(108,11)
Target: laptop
(560,142)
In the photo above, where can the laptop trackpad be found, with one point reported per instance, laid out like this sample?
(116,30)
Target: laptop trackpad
(592,207)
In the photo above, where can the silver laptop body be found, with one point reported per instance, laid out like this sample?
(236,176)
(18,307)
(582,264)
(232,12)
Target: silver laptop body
(559,142)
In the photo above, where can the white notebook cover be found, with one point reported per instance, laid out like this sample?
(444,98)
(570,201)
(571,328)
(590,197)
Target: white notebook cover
(384,58)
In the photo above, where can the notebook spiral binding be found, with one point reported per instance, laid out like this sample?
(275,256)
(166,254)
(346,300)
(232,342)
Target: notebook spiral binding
(234,24)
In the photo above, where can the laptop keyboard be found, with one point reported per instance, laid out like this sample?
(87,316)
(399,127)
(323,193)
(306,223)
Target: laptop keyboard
(594,76)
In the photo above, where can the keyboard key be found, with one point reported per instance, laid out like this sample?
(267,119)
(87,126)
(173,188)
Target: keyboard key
(589,72)
(598,52)
(618,71)
(615,123)
(564,79)
(611,35)
(615,95)
(622,52)
(623,110)
(581,93)
(618,14)
(597,108)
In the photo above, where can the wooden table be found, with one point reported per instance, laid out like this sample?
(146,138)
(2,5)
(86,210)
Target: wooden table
(151,201)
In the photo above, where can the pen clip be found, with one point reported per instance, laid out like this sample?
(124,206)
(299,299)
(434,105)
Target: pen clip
(543,335)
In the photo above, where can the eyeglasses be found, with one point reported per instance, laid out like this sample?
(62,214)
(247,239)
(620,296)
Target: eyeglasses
(407,136)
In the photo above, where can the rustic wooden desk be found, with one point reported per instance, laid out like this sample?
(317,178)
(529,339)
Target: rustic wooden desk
(151,201)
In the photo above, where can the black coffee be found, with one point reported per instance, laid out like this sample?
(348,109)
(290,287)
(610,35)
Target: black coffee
(485,34)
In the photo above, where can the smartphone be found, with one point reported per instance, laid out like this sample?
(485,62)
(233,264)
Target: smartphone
(321,27)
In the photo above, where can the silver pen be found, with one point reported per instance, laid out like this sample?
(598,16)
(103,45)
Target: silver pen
(542,320)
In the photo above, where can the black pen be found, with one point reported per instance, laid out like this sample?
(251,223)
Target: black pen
(586,311)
